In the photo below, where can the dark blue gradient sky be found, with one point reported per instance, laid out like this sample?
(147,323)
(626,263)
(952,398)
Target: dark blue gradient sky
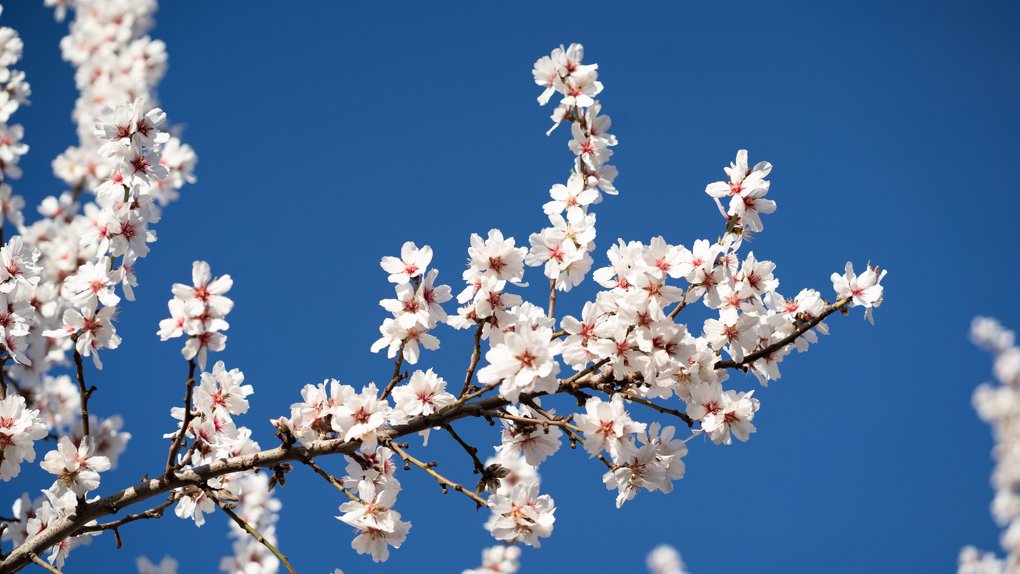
(328,133)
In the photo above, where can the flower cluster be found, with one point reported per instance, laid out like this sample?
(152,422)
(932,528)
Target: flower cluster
(257,507)
(199,311)
(371,511)
(417,307)
(333,410)
(999,406)
(14,92)
(20,276)
(32,517)
(564,248)
(493,263)
(520,515)
(498,560)
(20,427)
(652,465)
(58,285)
(64,275)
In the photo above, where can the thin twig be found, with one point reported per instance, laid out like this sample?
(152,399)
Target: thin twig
(530,421)
(115,525)
(79,370)
(44,564)
(594,367)
(472,451)
(175,447)
(683,303)
(665,410)
(396,378)
(251,530)
(3,377)
(552,298)
(728,364)
(444,482)
(476,354)
(330,478)
(576,438)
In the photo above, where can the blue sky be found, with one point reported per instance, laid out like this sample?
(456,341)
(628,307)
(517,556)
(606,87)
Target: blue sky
(329,133)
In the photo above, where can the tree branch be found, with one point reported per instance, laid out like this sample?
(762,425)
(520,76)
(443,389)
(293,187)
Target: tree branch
(397,377)
(444,482)
(552,298)
(467,406)
(476,354)
(472,451)
(156,512)
(807,326)
(175,447)
(665,410)
(44,564)
(251,530)
(3,377)
(79,370)
(330,479)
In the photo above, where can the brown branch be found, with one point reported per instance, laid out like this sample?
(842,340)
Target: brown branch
(63,527)
(330,479)
(471,450)
(747,360)
(3,377)
(665,410)
(444,482)
(251,530)
(594,367)
(683,302)
(576,438)
(115,525)
(476,354)
(175,447)
(79,370)
(466,406)
(44,564)
(552,298)
(397,377)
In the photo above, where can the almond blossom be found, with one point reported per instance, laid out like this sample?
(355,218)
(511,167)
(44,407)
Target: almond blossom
(622,358)
(20,427)
(76,467)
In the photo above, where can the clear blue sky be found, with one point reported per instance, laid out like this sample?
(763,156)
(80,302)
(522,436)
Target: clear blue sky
(328,133)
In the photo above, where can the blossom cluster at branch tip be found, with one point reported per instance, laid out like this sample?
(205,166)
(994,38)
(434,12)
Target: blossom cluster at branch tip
(199,311)
(417,307)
